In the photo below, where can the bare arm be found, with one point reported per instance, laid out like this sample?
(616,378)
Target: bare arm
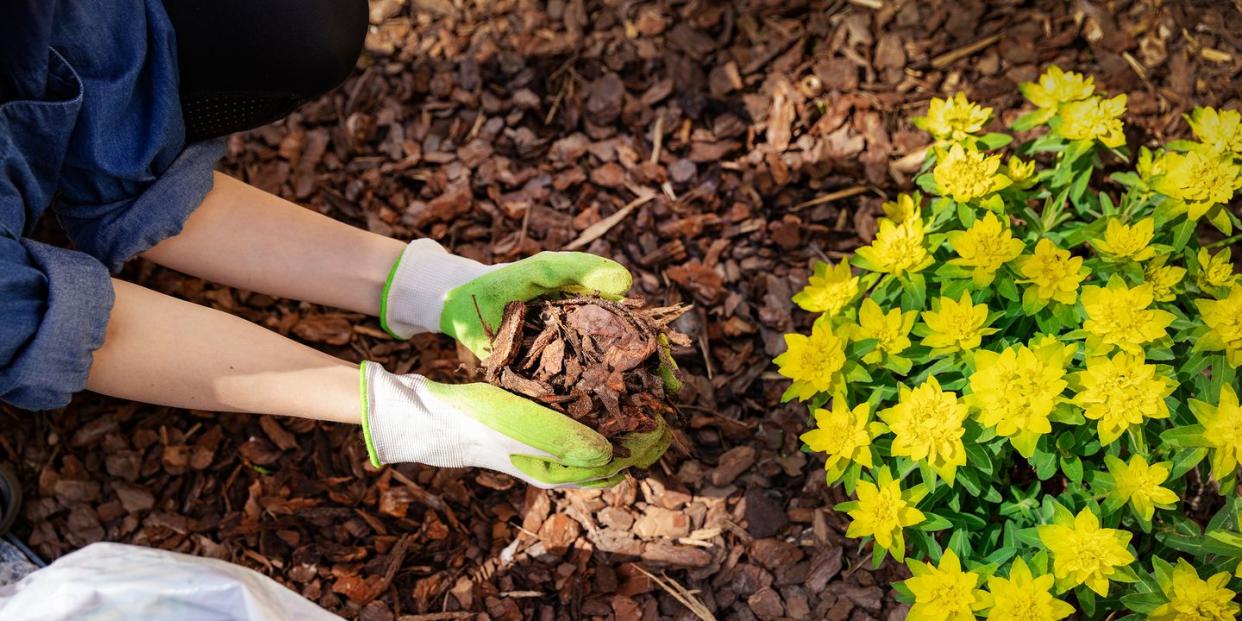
(244,237)
(166,351)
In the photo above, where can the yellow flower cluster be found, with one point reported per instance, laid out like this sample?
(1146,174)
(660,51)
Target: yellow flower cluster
(966,174)
(1015,391)
(953,119)
(1019,315)
(1084,553)
(927,425)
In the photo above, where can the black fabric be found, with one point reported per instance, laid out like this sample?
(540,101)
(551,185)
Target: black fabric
(244,63)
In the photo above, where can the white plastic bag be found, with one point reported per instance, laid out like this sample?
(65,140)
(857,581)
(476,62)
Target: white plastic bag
(106,581)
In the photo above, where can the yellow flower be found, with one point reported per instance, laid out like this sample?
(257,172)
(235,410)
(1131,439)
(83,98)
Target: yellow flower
(1220,130)
(1084,553)
(1124,242)
(1196,181)
(1052,272)
(952,119)
(897,249)
(944,592)
(1021,173)
(966,174)
(1224,320)
(1016,390)
(1222,429)
(1150,166)
(956,325)
(1192,598)
(829,290)
(1117,316)
(1120,392)
(844,435)
(813,362)
(1056,87)
(927,423)
(890,330)
(1214,270)
(1163,279)
(881,512)
(1022,596)
(985,246)
(1140,484)
(903,209)
(1095,119)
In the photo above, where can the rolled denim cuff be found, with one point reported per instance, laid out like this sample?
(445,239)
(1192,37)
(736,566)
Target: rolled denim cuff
(117,232)
(57,360)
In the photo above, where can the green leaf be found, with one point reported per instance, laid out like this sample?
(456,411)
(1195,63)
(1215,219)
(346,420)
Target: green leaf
(927,183)
(914,292)
(1072,467)
(1185,460)
(1182,234)
(994,140)
(933,522)
(1045,465)
(1008,290)
(978,457)
(1143,602)
(1187,436)
(1086,600)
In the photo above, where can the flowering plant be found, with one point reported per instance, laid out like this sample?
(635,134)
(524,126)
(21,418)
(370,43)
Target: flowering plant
(1027,382)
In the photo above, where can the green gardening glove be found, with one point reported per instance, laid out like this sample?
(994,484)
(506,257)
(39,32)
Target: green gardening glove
(408,418)
(431,290)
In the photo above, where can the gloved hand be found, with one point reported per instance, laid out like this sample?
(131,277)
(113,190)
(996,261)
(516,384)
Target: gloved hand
(431,290)
(408,418)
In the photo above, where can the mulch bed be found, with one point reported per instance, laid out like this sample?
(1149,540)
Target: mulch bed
(715,149)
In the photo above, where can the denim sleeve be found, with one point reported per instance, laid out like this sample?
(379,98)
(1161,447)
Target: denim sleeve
(120,229)
(54,308)
(129,179)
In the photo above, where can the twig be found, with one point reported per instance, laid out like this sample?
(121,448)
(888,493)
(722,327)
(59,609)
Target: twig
(1134,64)
(597,230)
(870,4)
(437,616)
(684,596)
(491,334)
(657,139)
(831,196)
(952,56)
(395,558)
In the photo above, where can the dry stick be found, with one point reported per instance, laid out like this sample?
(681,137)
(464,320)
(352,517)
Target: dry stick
(831,196)
(684,596)
(491,334)
(597,230)
(395,558)
(657,139)
(950,57)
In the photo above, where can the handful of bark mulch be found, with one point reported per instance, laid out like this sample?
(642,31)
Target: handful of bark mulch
(605,363)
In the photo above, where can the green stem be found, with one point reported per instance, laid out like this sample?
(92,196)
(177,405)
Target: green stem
(1228,241)
(1136,438)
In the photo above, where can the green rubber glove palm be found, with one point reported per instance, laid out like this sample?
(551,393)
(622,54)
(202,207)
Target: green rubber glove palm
(431,290)
(408,418)
(544,273)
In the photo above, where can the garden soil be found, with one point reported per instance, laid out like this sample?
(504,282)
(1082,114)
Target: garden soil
(714,148)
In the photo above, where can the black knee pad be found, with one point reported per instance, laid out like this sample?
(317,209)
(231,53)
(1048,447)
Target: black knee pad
(244,63)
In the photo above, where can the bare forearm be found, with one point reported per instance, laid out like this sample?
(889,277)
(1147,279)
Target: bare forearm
(244,237)
(166,351)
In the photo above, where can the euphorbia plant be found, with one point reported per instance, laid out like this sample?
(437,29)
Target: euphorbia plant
(1027,381)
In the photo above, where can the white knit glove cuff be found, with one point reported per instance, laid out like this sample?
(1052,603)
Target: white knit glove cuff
(413,298)
(405,423)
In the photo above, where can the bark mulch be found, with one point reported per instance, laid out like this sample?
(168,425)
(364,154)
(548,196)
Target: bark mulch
(716,149)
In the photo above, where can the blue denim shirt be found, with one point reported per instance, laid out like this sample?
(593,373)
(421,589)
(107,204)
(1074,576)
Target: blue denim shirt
(91,128)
